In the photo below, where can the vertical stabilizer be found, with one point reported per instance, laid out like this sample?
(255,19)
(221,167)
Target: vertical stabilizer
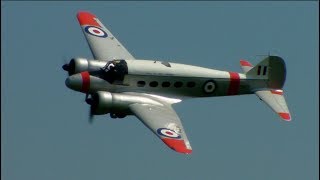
(272,69)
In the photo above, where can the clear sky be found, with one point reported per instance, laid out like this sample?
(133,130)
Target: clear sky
(45,132)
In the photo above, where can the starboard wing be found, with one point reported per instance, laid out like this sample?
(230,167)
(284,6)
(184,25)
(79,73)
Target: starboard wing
(165,123)
(103,45)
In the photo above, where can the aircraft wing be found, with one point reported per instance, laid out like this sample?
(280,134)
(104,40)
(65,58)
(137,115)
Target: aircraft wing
(165,123)
(103,45)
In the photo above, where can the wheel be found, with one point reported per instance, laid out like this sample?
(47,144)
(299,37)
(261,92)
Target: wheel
(113,116)
(121,115)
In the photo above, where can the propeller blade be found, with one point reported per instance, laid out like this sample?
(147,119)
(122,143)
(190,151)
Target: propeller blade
(89,100)
(66,67)
(92,107)
(69,66)
(91,115)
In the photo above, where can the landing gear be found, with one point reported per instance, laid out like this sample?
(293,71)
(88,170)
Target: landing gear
(114,115)
(121,115)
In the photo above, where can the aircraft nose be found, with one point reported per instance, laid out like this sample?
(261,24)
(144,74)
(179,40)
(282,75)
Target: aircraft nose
(79,82)
(74,82)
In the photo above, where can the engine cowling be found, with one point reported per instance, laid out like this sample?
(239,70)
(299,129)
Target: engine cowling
(78,65)
(116,103)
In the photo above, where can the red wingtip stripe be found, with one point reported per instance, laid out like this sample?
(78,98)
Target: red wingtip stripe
(85,81)
(86,18)
(234,83)
(177,145)
(245,63)
(278,91)
(285,116)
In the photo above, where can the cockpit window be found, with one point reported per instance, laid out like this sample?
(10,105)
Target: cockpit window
(109,66)
(115,71)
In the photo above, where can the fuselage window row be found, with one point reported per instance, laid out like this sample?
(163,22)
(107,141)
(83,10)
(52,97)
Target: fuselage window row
(166,84)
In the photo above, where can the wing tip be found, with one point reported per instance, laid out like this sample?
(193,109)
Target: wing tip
(177,145)
(245,63)
(87,18)
(285,116)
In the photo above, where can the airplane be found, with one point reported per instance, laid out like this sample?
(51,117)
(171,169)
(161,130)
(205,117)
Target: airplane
(116,83)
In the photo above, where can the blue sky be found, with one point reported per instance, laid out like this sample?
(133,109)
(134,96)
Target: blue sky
(45,132)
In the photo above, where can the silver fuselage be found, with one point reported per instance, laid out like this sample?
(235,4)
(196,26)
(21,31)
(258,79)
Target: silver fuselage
(165,79)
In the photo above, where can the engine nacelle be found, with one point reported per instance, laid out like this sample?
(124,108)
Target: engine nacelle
(116,103)
(78,65)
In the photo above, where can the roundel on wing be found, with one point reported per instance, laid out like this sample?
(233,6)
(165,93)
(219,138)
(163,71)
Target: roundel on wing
(95,31)
(168,133)
(209,86)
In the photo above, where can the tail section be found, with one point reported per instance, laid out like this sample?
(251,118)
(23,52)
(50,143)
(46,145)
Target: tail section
(267,79)
(272,69)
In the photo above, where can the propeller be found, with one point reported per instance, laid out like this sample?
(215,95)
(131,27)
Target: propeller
(69,67)
(93,105)
(91,115)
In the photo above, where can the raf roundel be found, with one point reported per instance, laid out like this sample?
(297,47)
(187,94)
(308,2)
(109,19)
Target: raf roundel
(168,133)
(209,87)
(95,31)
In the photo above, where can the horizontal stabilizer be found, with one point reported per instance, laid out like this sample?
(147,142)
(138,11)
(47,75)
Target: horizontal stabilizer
(276,101)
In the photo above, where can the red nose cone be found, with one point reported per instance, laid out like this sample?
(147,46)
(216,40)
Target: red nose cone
(79,82)
(74,82)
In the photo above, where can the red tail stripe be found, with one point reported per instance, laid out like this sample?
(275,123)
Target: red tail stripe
(86,18)
(85,81)
(234,83)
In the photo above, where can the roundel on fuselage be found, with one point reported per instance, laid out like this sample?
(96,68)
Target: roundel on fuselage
(209,86)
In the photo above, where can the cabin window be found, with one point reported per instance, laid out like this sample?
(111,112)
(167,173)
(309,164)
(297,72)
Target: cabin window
(153,84)
(141,83)
(191,84)
(166,84)
(178,84)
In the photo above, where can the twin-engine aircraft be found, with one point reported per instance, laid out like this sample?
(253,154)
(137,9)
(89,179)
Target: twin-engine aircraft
(117,83)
